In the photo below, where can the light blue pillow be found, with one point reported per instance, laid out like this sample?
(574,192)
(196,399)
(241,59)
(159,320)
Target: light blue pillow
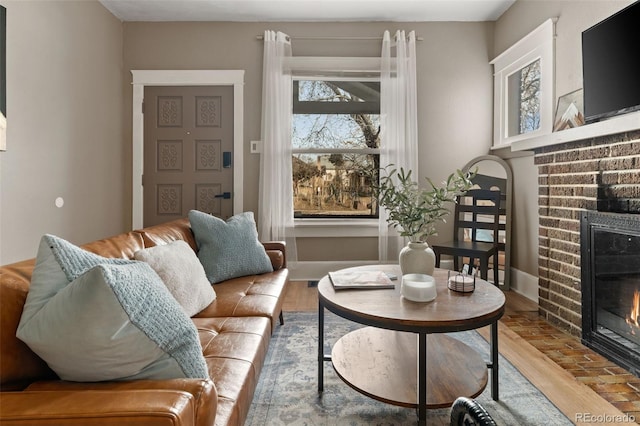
(114,320)
(58,262)
(229,249)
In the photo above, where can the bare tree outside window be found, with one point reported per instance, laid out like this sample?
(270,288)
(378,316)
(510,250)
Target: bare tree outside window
(524,99)
(336,137)
(530,97)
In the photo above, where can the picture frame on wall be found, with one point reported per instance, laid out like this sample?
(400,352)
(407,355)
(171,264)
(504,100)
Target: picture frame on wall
(569,111)
(3,78)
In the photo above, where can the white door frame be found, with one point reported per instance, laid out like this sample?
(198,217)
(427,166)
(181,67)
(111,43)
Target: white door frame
(142,78)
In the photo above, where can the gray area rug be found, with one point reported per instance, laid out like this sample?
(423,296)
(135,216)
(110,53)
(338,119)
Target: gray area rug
(287,389)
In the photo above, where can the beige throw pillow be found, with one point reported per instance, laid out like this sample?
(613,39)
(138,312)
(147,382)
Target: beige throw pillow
(181,271)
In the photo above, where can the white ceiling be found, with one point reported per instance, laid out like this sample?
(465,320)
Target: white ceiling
(307,10)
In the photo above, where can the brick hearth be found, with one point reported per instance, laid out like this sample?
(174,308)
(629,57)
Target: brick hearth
(601,173)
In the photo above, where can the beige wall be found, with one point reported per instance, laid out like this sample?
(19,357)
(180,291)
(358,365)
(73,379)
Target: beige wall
(69,102)
(454,87)
(519,20)
(326,249)
(70,63)
(65,128)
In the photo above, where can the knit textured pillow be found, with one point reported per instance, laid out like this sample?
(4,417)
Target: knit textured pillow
(93,319)
(229,249)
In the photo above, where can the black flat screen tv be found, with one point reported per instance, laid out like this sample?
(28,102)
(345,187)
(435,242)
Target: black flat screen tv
(611,65)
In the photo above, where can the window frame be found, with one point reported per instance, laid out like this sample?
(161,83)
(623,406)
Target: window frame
(339,220)
(339,68)
(538,44)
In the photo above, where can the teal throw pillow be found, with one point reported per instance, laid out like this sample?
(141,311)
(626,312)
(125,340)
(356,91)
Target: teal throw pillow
(229,249)
(93,319)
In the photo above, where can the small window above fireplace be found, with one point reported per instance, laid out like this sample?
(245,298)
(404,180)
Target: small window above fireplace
(523,88)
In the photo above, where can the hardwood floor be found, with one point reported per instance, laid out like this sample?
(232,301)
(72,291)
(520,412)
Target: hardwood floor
(586,387)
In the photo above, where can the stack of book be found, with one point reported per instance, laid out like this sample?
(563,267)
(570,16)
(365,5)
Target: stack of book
(343,280)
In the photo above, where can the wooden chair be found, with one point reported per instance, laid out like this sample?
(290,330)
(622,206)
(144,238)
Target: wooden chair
(475,232)
(481,181)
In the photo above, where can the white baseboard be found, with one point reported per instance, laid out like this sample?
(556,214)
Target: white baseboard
(525,284)
(313,271)
(521,282)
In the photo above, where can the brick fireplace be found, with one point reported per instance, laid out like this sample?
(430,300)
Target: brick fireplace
(600,174)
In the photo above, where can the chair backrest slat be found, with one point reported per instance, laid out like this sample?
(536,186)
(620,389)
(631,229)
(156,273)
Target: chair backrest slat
(479,210)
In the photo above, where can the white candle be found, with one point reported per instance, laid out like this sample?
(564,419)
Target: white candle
(418,287)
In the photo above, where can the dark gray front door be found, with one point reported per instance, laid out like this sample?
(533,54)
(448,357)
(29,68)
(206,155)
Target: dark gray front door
(188,152)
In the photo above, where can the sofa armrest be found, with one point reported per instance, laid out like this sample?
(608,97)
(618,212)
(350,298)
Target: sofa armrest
(277,252)
(201,394)
(133,407)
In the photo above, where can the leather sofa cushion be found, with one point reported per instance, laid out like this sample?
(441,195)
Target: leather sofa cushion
(164,233)
(277,255)
(18,364)
(119,246)
(203,393)
(254,295)
(235,350)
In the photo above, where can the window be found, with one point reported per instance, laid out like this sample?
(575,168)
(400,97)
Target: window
(524,97)
(335,137)
(523,88)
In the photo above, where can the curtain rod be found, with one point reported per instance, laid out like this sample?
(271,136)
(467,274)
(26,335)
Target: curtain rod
(261,37)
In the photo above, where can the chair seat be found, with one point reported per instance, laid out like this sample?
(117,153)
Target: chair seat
(465,248)
(473,250)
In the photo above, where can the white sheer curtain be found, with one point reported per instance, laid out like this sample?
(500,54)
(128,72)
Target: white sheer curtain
(275,199)
(398,121)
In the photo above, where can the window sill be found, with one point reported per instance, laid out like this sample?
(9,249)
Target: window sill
(622,123)
(522,138)
(322,228)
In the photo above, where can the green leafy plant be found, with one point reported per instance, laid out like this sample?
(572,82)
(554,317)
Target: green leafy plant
(415,210)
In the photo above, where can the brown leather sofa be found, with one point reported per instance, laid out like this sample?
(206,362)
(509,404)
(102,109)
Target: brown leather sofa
(234,332)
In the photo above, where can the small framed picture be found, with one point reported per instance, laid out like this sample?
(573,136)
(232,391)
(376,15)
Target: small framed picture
(3,78)
(569,112)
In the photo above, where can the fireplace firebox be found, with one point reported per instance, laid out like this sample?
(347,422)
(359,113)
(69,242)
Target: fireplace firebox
(610,262)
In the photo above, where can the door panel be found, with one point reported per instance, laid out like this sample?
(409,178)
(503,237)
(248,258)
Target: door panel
(188,151)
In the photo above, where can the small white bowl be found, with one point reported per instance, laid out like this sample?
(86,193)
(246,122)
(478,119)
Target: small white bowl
(418,287)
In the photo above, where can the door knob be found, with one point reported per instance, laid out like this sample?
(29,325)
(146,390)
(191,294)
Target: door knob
(224,195)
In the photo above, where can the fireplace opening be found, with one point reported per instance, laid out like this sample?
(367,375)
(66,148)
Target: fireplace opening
(610,259)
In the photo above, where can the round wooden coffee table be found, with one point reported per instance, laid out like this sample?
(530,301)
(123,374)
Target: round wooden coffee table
(401,354)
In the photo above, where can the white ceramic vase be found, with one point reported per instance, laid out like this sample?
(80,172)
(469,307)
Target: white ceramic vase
(417,258)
